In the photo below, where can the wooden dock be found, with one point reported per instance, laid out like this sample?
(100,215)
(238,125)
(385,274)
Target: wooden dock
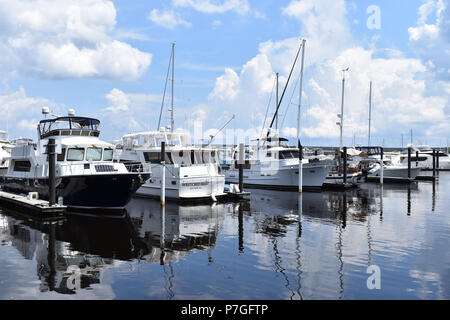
(33,206)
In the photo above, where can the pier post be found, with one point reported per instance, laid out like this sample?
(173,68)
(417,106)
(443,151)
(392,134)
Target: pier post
(163,174)
(434,162)
(382,167)
(300,167)
(51,171)
(241,167)
(409,162)
(344,173)
(417,159)
(437,159)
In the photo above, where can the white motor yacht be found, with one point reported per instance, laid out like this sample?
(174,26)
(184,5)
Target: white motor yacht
(86,176)
(192,172)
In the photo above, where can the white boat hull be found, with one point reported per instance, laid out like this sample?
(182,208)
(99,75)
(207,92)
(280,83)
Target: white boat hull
(184,188)
(284,178)
(396,172)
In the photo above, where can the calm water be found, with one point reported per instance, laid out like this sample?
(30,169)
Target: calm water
(263,249)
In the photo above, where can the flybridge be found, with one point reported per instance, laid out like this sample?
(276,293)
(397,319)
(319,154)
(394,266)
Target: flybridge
(69,126)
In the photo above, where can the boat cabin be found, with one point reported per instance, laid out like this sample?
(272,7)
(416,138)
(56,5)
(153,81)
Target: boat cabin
(370,151)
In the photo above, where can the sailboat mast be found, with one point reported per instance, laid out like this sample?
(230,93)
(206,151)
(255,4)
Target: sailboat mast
(370,110)
(173,75)
(300,151)
(276,121)
(300,91)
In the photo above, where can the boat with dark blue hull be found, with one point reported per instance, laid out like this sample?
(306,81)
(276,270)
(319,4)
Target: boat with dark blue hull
(86,176)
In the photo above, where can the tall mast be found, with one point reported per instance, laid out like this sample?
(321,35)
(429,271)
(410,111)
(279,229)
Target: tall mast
(341,124)
(173,75)
(300,91)
(370,109)
(300,150)
(276,121)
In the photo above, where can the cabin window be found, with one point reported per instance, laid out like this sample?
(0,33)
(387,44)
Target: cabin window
(94,154)
(75,154)
(213,157)
(107,155)
(62,155)
(206,157)
(155,157)
(23,166)
(288,154)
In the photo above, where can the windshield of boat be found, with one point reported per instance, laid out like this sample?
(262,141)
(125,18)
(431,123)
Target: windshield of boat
(75,154)
(108,155)
(288,154)
(94,154)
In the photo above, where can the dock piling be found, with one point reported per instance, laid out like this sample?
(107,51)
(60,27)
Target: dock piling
(434,162)
(163,174)
(345,165)
(241,167)
(381,167)
(409,162)
(51,171)
(300,167)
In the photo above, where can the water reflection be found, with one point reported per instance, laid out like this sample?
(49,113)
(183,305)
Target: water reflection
(71,254)
(278,245)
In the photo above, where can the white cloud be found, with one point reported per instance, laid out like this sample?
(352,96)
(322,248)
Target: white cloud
(209,6)
(129,112)
(402,97)
(167,19)
(19,111)
(66,39)
(432,41)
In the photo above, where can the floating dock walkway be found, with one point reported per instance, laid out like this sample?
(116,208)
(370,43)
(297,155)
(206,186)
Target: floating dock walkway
(30,205)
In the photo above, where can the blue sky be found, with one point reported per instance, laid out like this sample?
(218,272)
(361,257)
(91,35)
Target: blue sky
(108,59)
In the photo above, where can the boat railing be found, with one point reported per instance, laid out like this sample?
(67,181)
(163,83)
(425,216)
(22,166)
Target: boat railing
(137,167)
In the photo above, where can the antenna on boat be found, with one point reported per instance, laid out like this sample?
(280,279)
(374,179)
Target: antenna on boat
(71,113)
(46,111)
(213,136)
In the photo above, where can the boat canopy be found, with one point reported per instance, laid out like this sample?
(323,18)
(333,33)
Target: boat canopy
(69,126)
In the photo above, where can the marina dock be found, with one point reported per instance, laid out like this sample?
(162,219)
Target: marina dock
(30,205)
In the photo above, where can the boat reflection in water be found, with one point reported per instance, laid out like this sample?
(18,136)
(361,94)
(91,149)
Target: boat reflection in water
(278,245)
(70,254)
(324,207)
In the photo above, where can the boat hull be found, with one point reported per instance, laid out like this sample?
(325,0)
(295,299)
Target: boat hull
(286,178)
(184,188)
(87,191)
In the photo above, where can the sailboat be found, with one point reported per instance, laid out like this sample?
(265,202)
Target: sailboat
(192,172)
(274,165)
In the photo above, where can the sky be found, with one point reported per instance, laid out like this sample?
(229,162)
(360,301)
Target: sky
(109,60)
